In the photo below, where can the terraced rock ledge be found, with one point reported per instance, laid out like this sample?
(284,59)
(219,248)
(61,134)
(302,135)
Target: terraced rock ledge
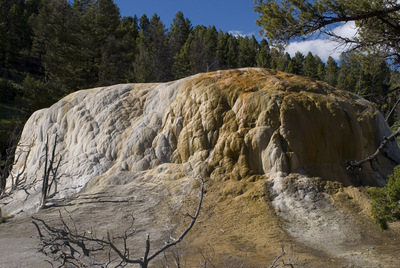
(272,148)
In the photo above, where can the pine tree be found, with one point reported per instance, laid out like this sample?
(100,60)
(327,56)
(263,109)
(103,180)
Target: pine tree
(58,43)
(377,22)
(321,72)
(296,64)
(144,65)
(127,33)
(222,49)
(264,55)
(310,66)
(181,67)
(197,50)
(16,36)
(144,24)
(248,48)
(227,51)
(282,62)
(89,42)
(232,52)
(108,17)
(178,33)
(350,73)
(16,24)
(158,48)
(210,41)
(201,49)
(4,37)
(332,71)
(376,77)
(107,22)
(276,56)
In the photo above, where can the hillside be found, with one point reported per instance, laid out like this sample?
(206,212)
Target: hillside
(272,148)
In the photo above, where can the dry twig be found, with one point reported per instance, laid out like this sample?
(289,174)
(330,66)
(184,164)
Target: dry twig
(68,245)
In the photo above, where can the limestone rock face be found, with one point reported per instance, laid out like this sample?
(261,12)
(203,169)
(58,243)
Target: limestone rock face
(229,125)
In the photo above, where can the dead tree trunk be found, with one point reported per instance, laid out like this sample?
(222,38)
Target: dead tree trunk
(16,178)
(3,178)
(48,171)
(5,170)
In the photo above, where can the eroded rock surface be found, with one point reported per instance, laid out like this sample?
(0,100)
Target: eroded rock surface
(229,126)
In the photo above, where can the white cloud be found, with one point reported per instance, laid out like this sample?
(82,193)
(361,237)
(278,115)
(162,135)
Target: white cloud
(324,47)
(347,30)
(237,33)
(320,47)
(240,33)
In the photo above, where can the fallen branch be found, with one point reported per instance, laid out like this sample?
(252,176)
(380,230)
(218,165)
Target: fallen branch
(358,164)
(290,259)
(393,109)
(70,246)
(184,233)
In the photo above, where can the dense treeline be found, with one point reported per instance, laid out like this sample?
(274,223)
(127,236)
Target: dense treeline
(49,48)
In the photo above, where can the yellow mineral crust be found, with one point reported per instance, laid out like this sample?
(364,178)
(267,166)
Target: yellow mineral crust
(257,121)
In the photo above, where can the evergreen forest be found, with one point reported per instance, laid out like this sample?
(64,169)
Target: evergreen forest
(50,48)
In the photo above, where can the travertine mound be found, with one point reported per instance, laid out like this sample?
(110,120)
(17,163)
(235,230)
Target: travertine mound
(272,148)
(236,123)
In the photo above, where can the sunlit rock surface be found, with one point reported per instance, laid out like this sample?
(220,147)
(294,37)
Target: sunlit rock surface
(236,124)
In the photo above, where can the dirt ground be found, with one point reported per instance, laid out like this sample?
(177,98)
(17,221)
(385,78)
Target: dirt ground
(237,226)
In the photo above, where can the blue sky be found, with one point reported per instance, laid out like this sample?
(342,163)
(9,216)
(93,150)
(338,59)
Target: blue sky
(234,16)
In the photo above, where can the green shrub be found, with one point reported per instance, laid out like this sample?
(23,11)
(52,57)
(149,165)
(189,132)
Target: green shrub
(386,201)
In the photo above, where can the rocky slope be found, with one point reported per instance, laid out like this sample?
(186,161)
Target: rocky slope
(272,147)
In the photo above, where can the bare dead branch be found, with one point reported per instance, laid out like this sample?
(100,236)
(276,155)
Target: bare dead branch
(54,180)
(358,164)
(393,109)
(290,259)
(207,256)
(283,253)
(48,171)
(15,181)
(184,233)
(64,244)
(38,229)
(178,259)
(5,170)
(69,246)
